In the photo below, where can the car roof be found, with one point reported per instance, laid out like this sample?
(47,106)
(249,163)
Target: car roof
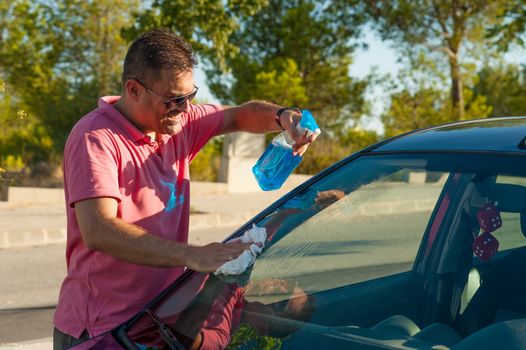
(503,134)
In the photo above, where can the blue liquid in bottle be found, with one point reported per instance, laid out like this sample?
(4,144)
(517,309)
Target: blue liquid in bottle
(277,162)
(275,166)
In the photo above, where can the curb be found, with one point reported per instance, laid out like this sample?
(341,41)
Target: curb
(204,221)
(31,238)
(46,236)
(39,195)
(39,344)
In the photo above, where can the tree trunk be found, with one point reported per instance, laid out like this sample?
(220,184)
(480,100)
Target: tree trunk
(459,18)
(457,89)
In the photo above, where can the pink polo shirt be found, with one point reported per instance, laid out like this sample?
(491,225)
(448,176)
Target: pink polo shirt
(107,156)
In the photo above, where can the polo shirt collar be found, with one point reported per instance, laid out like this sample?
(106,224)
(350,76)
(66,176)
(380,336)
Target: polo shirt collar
(106,105)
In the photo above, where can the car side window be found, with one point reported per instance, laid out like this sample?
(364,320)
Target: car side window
(510,234)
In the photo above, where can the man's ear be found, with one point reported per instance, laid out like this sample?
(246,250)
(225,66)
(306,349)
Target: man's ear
(132,88)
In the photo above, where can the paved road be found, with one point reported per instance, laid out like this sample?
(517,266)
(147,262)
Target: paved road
(31,278)
(21,218)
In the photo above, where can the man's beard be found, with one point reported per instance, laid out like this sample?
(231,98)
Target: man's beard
(171,123)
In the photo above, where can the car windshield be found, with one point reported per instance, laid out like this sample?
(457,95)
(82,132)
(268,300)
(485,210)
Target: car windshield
(374,237)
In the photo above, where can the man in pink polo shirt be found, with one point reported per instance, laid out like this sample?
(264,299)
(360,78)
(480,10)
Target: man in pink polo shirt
(127,186)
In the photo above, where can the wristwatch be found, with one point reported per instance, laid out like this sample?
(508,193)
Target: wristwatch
(281,110)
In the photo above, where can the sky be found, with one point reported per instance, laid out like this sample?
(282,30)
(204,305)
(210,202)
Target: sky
(382,58)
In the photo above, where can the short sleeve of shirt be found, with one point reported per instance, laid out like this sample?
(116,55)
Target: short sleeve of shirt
(90,163)
(202,123)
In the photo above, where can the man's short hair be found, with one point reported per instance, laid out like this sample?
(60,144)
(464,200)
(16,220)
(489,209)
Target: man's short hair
(156,50)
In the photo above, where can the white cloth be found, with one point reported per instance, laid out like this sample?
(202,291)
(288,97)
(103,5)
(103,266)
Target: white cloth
(237,266)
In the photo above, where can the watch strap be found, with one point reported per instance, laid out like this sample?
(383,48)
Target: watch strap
(277,117)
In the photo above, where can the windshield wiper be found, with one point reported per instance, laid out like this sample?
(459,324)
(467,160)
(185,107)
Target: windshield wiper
(165,332)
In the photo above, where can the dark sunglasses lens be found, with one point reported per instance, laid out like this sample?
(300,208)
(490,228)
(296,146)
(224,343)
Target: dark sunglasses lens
(181,99)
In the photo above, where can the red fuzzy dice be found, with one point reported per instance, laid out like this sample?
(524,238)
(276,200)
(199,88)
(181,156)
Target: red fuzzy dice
(489,218)
(485,246)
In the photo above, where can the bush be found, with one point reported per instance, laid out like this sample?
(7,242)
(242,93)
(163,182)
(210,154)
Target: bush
(29,157)
(12,163)
(328,149)
(205,166)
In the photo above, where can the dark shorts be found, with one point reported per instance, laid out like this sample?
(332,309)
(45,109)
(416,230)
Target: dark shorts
(62,340)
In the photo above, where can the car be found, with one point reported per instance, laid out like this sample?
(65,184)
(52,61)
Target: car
(416,242)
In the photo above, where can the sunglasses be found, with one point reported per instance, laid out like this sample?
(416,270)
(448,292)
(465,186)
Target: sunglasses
(177,101)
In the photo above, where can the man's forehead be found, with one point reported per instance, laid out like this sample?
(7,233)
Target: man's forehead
(176,82)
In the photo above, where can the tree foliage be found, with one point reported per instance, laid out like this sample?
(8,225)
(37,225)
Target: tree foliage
(504,86)
(417,101)
(448,28)
(71,52)
(207,25)
(22,141)
(10,113)
(511,28)
(297,53)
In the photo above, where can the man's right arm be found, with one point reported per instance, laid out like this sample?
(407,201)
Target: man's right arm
(102,231)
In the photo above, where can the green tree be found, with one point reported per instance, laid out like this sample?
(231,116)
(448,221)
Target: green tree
(452,29)
(10,114)
(207,25)
(504,85)
(60,56)
(511,28)
(10,117)
(23,140)
(418,102)
(297,53)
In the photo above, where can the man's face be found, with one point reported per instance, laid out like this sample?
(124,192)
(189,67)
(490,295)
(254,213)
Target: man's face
(161,110)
